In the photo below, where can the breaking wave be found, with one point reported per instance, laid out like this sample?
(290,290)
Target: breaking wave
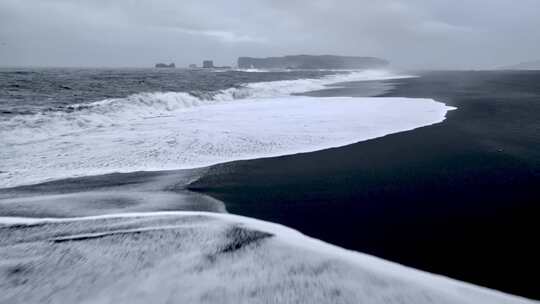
(180,130)
(109,112)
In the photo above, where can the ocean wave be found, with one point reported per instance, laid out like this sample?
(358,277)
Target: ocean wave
(109,112)
(260,70)
(179,130)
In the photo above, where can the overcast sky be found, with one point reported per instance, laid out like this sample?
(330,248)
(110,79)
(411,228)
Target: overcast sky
(411,33)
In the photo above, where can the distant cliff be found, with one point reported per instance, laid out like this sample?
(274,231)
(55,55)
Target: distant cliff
(312,62)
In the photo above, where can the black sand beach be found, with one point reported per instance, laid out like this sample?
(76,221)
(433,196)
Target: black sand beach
(459,198)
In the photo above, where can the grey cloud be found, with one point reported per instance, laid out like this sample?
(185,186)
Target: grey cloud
(415,33)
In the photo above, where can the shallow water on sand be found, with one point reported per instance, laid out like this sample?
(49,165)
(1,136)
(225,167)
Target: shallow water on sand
(458,198)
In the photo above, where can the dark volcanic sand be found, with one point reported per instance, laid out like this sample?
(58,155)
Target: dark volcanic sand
(458,198)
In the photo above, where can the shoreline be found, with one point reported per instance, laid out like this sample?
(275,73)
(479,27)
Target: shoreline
(321,202)
(455,198)
(177,130)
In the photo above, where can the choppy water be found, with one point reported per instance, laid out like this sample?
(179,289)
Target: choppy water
(30,91)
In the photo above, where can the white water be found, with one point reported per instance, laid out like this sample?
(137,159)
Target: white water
(160,131)
(179,257)
(109,112)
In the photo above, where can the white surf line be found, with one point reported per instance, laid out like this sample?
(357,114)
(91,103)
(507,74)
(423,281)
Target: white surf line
(205,136)
(294,238)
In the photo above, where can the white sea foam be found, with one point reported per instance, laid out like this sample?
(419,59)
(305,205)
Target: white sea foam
(159,131)
(198,257)
(254,70)
(108,112)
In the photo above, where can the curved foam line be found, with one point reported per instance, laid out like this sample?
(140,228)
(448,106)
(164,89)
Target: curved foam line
(200,137)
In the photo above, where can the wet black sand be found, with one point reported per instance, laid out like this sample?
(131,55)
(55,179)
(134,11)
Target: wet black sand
(107,194)
(458,198)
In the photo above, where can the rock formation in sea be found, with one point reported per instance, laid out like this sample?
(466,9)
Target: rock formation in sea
(164,65)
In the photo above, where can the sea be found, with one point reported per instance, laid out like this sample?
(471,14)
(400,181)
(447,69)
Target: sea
(436,170)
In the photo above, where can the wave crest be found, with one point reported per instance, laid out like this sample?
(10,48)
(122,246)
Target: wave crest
(113,111)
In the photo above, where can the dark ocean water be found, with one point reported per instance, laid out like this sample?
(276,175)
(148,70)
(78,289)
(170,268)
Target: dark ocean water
(31,90)
(460,198)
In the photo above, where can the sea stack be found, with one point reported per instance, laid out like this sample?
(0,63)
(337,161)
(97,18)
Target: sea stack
(208,64)
(164,65)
